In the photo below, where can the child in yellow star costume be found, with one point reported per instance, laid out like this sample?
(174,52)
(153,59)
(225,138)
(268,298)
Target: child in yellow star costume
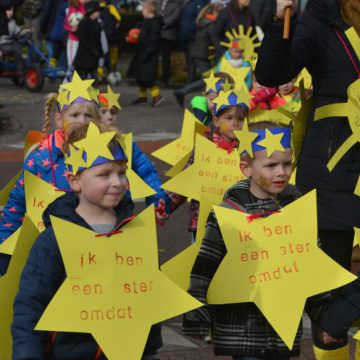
(230,112)
(97,175)
(203,106)
(233,62)
(240,330)
(109,110)
(74,106)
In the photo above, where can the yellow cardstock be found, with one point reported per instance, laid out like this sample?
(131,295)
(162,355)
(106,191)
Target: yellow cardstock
(275,262)
(8,246)
(9,284)
(173,152)
(114,288)
(304,75)
(178,268)
(5,191)
(177,168)
(275,115)
(138,187)
(237,73)
(213,172)
(38,195)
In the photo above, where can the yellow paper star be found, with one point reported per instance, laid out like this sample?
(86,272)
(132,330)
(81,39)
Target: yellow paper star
(176,150)
(5,191)
(78,88)
(75,159)
(94,94)
(214,170)
(96,144)
(226,86)
(272,142)
(63,98)
(38,195)
(112,98)
(9,284)
(238,74)
(211,82)
(246,138)
(243,95)
(279,116)
(112,285)
(222,99)
(270,261)
(178,269)
(138,187)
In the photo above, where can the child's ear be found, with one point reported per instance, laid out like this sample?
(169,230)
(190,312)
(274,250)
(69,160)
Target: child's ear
(74,182)
(245,167)
(216,121)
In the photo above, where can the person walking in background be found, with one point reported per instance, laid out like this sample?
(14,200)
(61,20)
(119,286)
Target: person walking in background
(75,12)
(90,50)
(187,32)
(169,10)
(144,64)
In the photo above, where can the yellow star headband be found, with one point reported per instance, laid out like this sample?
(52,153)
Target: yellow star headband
(76,91)
(95,149)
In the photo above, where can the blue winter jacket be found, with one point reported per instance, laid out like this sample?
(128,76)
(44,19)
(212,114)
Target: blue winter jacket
(42,276)
(39,163)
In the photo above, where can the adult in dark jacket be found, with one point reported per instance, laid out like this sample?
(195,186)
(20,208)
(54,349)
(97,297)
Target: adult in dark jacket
(317,42)
(236,13)
(169,11)
(43,275)
(89,32)
(187,32)
(52,29)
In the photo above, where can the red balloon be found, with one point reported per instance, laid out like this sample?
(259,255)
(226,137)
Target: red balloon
(133,36)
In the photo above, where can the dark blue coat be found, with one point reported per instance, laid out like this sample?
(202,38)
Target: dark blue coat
(43,274)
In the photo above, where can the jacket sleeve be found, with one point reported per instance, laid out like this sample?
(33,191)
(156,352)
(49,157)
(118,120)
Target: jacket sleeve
(263,11)
(282,60)
(41,278)
(212,251)
(82,32)
(152,40)
(15,208)
(146,170)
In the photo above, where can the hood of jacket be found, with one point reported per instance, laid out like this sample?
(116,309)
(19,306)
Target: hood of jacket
(64,208)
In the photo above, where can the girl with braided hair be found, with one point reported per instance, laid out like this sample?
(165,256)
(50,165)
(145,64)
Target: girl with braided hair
(45,160)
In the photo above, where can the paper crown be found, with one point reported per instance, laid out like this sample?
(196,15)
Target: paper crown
(216,84)
(95,149)
(270,140)
(231,98)
(75,92)
(109,99)
(248,43)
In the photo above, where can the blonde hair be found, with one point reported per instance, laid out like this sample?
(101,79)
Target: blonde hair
(51,100)
(150,5)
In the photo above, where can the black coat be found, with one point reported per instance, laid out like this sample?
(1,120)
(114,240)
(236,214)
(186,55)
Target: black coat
(315,45)
(263,11)
(42,276)
(230,18)
(89,51)
(144,64)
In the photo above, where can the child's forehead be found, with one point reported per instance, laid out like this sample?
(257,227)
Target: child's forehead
(261,156)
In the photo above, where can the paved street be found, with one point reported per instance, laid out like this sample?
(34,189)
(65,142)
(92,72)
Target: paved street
(152,128)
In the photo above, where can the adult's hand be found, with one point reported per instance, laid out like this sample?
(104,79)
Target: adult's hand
(282,5)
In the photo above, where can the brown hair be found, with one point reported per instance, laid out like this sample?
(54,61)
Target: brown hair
(74,3)
(150,5)
(240,111)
